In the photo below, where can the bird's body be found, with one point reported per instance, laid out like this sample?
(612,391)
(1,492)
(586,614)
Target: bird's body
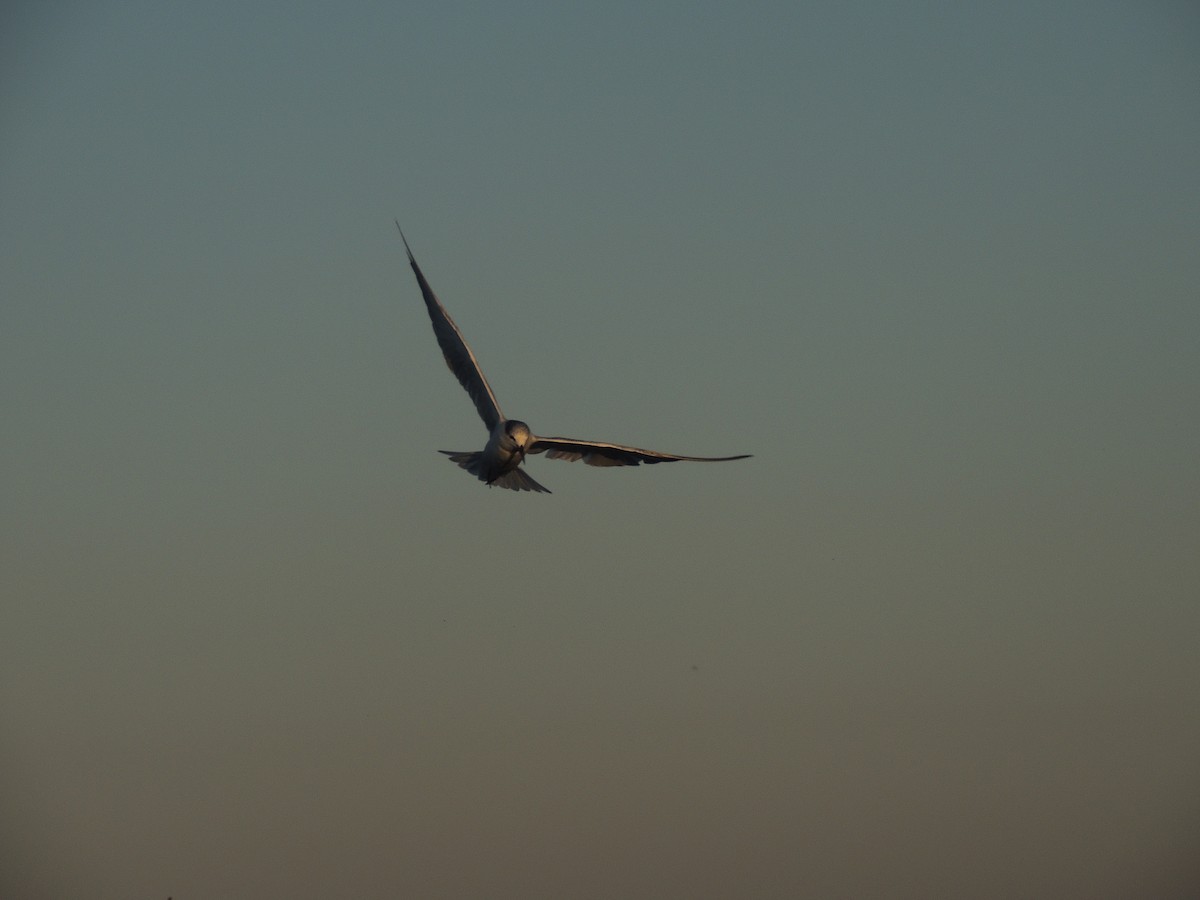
(499,460)
(510,440)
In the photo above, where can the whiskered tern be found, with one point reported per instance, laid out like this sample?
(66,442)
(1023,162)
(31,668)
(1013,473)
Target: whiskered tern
(510,440)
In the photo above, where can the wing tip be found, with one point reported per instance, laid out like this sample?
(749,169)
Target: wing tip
(407,249)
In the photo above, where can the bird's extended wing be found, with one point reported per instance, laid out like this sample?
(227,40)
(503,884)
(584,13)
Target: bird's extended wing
(599,453)
(458,355)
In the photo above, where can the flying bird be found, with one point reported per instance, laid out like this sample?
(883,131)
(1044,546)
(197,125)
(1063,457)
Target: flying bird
(510,440)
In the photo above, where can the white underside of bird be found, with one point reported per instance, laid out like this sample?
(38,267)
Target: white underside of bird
(509,440)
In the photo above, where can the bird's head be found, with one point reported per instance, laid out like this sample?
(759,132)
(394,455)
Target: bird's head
(518,431)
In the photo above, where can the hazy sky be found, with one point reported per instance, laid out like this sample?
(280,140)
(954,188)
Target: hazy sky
(935,265)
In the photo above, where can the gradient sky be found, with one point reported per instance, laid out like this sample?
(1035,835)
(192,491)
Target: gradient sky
(935,265)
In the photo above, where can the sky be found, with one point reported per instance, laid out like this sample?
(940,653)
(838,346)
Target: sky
(934,265)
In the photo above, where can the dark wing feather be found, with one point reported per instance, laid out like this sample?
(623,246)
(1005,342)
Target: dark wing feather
(600,453)
(458,355)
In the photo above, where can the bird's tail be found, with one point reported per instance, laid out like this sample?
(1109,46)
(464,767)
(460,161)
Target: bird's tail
(514,479)
(519,480)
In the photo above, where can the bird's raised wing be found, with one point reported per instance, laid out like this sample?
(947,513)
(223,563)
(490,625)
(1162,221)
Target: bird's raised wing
(458,355)
(599,453)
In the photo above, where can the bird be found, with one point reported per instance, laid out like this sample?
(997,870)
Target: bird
(510,441)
